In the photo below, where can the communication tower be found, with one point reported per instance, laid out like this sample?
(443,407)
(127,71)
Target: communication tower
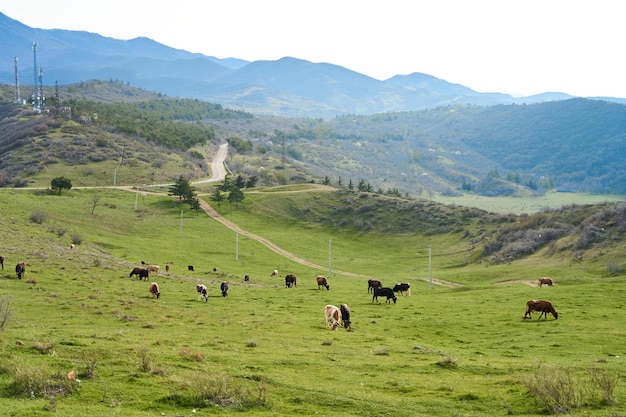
(18,99)
(36,97)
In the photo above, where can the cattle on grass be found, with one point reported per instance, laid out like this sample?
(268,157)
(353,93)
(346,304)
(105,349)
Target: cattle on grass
(154,268)
(322,282)
(402,288)
(345,316)
(202,292)
(332,316)
(290,280)
(140,272)
(2,262)
(543,306)
(190,268)
(373,283)
(274,273)
(384,292)
(246,278)
(545,281)
(167,267)
(20,270)
(224,288)
(154,290)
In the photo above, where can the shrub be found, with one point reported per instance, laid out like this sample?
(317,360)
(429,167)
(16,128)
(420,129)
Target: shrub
(35,382)
(76,238)
(38,217)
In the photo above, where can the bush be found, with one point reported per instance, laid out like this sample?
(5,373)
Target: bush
(38,217)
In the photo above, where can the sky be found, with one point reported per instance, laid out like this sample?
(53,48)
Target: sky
(517,47)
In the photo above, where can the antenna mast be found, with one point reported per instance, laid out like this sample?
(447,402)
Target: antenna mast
(36,99)
(18,99)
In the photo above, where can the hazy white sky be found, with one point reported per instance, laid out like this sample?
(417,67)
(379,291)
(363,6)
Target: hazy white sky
(518,47)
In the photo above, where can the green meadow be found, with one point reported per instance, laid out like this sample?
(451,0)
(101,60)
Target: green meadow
(457,346)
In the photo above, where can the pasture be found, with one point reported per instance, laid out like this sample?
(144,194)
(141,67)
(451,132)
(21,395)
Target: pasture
(459,347)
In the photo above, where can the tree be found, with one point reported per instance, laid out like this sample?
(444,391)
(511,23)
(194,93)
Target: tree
(61,183)
(217,196)
(181,188)
(94,202)
(236,196)
(350,185)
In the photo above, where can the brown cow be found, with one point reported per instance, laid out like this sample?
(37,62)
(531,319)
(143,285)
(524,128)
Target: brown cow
(545,280)
(345,316)
(373,283)
(322,282)
(543,306)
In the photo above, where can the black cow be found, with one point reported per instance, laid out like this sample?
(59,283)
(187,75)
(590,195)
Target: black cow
(384,292)
(290,280)
(345,316)
(20,269)
(246,278)
(140,272)
(2,262)
(189,267)
(373,283)
(402,287)
(224,289)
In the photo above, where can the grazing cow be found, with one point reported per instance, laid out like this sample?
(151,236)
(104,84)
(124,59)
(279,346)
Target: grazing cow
(202,292)
(332,316)
(140,272)
(384,292)
(246,278)
(167,267)
(154,290)
(190,268)
(373,283)
(154,268)
(274,273)
(224,289)
(345,316)
(2,262)
(402,287)
(290,280)
(540,305)
(545,280)
(322,282)
(72,246)
(20,269)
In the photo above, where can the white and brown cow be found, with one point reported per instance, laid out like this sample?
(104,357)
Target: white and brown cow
(154,290)
(332,316)
(202,292)
(274,273)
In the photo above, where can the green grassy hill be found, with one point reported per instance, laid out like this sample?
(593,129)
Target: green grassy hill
(457,346)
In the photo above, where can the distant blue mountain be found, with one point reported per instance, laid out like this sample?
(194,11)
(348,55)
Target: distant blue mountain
(286,87)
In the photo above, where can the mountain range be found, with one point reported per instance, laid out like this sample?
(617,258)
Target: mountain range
(286,87)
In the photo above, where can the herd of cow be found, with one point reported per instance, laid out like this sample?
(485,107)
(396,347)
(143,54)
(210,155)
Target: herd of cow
(332,315)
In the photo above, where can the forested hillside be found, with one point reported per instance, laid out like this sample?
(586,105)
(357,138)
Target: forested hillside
(506,150)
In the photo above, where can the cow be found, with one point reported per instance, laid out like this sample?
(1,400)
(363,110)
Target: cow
(540,305)
(345,316)
(373,283)
(167,267)
(246,278)
(154,268)
(274,273)
(290,280)
(140,272)
(154,290)
(2,262)
(202,292)
(402,288)
(224,289)
(322,282)
(190,268)
(545,280)
(384,292)
(20,270)
(332,316)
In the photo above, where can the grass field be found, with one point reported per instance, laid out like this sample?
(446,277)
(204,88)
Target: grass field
(446,350)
